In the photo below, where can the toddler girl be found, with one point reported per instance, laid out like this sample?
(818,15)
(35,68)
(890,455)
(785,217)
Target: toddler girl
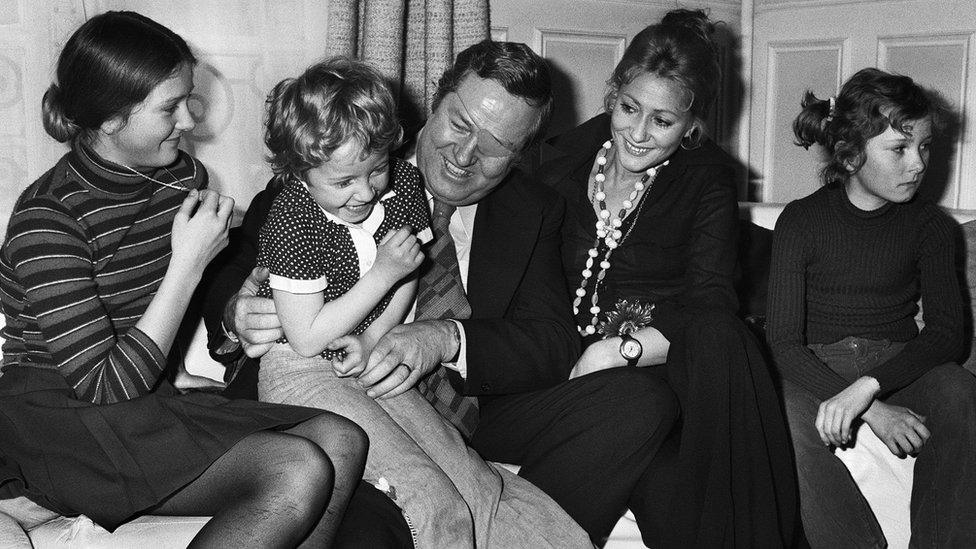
(339,241)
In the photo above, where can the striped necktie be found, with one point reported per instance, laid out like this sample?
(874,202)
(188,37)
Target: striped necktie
(440,295)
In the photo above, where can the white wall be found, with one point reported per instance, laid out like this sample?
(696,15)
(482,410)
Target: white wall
(817,44)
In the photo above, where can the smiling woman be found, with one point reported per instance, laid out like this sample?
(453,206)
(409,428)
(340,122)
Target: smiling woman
(652,221)
(649,119)
(149,135)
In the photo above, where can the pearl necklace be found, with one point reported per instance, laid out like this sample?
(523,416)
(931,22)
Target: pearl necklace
(608,231)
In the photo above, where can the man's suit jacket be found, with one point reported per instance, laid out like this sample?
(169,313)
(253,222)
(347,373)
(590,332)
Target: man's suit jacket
(521,335)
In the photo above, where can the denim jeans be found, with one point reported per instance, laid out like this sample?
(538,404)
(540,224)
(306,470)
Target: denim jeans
(943,506)
(450,495)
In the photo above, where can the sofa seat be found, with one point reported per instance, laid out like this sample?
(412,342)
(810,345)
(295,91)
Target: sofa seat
(885,480)
(147,531)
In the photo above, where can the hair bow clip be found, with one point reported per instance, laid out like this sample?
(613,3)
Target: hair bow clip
(832,110)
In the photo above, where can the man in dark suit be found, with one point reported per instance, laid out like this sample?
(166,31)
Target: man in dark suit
(585,442)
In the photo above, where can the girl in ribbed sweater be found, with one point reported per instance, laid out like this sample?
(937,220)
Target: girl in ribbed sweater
(850,262)
(101,256)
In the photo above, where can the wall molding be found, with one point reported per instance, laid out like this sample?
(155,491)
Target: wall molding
(959,193)
(542,35)
(774,50)
(671,4)
(774,5)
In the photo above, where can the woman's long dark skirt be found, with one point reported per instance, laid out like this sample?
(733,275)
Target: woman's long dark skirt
(725,478)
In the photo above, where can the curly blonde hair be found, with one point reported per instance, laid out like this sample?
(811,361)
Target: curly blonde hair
(332,102)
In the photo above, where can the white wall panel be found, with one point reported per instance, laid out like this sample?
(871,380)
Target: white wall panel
(31,37)
(793,68)
(940,62)
(580,60)
(929,40)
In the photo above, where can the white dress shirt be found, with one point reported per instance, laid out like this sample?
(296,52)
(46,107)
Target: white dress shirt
(462,229)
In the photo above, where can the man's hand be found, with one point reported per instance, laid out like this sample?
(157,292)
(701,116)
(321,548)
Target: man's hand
(405,354)
(253,319)
(838,412)
(902,430)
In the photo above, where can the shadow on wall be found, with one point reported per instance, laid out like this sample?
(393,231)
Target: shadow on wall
(950,128)
(565,95)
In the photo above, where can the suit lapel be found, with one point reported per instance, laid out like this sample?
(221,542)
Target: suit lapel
(505,230)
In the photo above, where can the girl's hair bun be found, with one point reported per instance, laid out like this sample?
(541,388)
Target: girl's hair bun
(57,124)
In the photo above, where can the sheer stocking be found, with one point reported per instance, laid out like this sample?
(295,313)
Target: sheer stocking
(277,489)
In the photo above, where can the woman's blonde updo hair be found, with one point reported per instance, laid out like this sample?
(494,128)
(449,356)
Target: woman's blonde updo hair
(679,48)
(107,67)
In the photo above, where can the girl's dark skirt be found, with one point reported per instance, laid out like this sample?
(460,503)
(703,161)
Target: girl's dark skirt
(113,462)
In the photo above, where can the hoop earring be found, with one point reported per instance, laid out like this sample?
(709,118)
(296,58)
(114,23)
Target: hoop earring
(693,139)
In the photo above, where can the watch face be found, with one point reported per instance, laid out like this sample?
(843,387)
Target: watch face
(630,349)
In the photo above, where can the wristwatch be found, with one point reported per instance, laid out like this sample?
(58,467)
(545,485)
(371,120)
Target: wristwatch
(630,349)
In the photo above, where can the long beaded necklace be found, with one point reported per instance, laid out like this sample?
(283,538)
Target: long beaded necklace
(608,231)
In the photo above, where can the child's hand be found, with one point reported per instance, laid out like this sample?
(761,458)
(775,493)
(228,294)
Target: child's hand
(200,229)
(397,255)
(902,430)
(836,414)
(356,348)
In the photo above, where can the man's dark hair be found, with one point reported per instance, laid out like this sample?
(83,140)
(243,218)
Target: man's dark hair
(521,71)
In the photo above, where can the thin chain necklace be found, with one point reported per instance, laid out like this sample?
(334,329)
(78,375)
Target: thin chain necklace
(608,231)
(183,188)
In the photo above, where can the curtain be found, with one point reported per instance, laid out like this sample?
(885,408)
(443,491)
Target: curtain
(411,41)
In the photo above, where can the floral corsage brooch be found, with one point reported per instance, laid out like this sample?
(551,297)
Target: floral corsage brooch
(626,318)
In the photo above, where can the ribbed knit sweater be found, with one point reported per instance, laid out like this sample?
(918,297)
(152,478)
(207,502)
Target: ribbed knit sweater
(838,271)
(86,249)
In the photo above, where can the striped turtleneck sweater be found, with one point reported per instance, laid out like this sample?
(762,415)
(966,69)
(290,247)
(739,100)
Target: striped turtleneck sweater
(85,251)
(838,271)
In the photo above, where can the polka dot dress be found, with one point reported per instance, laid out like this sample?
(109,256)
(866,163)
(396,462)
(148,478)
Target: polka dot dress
(308,252)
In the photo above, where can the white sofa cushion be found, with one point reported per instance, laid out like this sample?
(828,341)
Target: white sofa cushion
(148,531)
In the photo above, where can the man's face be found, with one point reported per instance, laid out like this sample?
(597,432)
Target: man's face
(472,139)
